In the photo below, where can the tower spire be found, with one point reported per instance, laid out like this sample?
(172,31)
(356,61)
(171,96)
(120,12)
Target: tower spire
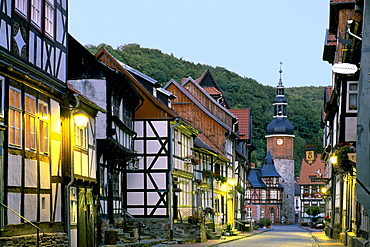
(280,71)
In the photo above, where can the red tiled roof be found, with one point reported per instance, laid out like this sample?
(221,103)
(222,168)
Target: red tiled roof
(308,170)
(243,116)
(212,91)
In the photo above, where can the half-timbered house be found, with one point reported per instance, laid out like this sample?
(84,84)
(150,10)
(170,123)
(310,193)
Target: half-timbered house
(218,126)
(112,90)
(264,193)
(33,53)
(312,181)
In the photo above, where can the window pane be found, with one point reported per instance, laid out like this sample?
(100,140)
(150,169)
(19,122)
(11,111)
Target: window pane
(49,18)
(36,12)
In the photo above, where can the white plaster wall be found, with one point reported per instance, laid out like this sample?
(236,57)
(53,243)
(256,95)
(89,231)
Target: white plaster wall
(159,126)
(56,192)
(30,173)
(54,156)
(135,198)
(14,170)
(77,162)
(44,175)
(14,202)
(139,128)
(351,129)
(74,238)
(44,207)
(135,181)
(30,207)
(96,90)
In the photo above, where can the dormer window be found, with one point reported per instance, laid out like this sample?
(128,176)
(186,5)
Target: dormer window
(352,96)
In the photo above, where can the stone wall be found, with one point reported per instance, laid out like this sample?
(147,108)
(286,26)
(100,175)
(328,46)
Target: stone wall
(190,231)
(46,240)
(285,167)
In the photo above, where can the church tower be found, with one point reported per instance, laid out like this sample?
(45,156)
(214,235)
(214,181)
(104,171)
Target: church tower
(280,142)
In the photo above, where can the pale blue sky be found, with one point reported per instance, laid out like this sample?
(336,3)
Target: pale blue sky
(247,37)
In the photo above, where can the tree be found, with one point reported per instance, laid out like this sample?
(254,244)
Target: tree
(313,211)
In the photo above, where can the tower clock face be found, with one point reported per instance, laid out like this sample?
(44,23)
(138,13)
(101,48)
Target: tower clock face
(279,141)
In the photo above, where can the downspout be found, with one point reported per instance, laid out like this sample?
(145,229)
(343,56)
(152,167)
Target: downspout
(170,187)
(67,192)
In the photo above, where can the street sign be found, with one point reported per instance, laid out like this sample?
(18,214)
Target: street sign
(344,68)
(325,180)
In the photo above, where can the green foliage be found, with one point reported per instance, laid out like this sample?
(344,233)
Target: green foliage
(313,211)
(304,109)
(265,222)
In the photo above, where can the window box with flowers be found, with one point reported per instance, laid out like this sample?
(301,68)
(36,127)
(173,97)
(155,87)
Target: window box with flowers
(344,163)
(221,179)
(198,181)
(305,194)
(327,218)
(191,159)
(194,219)
(207,173)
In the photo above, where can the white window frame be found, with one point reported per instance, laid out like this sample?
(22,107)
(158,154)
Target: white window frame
(36,14)
(248,194)
(273,194)
(351,92)
(43,113)
(30,122)
(249,213)
(81,137)
(49,18)
(21,7)
(263,195)
(15,109)
(74,202)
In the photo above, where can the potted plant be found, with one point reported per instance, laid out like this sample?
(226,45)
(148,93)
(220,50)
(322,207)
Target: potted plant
(195,218)
(265,222)
(344,164)
(209,211)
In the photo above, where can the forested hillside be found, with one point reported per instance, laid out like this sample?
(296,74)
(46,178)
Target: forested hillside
(305,103)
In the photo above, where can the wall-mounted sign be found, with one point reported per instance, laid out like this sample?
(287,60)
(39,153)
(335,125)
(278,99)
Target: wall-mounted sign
(325,180)
(344,68)
(309,153)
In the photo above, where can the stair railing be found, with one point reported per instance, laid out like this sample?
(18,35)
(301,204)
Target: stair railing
(37,228)
(139,223)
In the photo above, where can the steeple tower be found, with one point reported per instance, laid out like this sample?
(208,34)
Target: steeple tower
(280,142)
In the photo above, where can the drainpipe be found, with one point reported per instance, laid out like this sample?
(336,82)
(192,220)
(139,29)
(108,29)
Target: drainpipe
(68,186)
(170,187)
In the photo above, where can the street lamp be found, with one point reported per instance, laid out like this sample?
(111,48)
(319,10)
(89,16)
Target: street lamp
(334,159)
(80,119)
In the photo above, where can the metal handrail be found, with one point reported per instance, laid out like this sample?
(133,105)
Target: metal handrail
(140,224)
(38,228)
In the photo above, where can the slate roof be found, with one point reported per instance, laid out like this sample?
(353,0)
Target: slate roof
(255,179)
(280,126)
(268,169)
